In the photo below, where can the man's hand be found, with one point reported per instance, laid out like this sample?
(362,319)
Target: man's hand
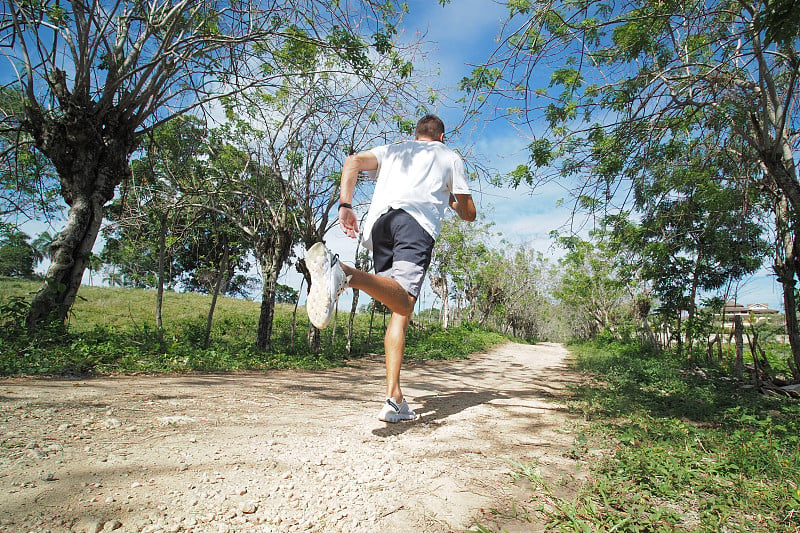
(464,206)
(348,221)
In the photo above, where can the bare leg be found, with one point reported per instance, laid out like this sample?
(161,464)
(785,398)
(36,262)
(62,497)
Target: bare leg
(391,294)
(386,290)
(394,343)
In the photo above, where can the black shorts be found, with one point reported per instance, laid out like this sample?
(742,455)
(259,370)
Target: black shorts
(401,249)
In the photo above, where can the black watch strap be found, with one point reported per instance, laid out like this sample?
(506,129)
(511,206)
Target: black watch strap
(345,204)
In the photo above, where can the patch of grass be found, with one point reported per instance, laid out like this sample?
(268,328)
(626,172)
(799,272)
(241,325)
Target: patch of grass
(434,342)
(112,330)
(683,449)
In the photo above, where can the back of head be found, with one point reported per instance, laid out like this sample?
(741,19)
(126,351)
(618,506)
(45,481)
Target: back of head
(430,127)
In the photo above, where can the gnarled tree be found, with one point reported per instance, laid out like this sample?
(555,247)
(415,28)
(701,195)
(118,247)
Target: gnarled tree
(95,75)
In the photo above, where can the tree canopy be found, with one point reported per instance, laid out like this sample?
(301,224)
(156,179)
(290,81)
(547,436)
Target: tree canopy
(90,78)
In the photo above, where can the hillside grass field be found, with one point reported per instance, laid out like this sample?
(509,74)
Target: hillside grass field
(113,330)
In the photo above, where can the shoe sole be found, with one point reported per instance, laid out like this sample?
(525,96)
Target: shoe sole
(393,418)
(318,313)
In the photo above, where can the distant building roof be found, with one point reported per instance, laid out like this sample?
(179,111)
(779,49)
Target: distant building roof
(732,307)
(761,309)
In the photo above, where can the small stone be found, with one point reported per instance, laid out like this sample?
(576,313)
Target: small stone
(178,420)
(112,525)
(88,525)
(36,453)
(248,507)
(112,423)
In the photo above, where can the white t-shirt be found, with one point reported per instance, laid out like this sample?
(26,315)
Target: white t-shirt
(417,177)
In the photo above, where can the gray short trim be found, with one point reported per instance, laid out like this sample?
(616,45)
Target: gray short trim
(408,275)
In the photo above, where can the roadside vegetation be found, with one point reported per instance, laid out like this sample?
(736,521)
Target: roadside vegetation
(671,446)
(112,330)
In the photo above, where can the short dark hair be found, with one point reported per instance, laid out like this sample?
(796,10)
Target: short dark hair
(430,127)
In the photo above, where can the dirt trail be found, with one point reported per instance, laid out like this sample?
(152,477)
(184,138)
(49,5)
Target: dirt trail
(283,451)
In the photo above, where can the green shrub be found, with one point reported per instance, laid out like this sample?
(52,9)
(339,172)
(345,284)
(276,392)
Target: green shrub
(683,449)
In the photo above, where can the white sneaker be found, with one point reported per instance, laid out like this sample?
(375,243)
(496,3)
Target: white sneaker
(395,412)
(328,281)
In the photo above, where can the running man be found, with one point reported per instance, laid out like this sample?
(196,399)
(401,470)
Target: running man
(416,181)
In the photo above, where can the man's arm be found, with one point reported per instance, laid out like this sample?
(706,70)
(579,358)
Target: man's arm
(464,206)
(353,165)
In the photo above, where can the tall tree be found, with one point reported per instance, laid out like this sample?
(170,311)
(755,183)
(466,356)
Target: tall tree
(95,76)
(527,284)
(700,228)
(462,260)
(17,256)
(623,79)
(591,286)
(156,238)
(299,136)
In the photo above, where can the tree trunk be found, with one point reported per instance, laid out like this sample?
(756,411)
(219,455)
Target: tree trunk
(70,255)
(267,314)
(293,327)
(314,339)
(162,252)
(89,151)
(445,309)
(641,309)
(369,331)
(738,330)
(313,336)
(792,328)
(439,286)
(691,307)
(786,268)
(272,259)
(353,309)
(762,371)
(333,325)
(218,283)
